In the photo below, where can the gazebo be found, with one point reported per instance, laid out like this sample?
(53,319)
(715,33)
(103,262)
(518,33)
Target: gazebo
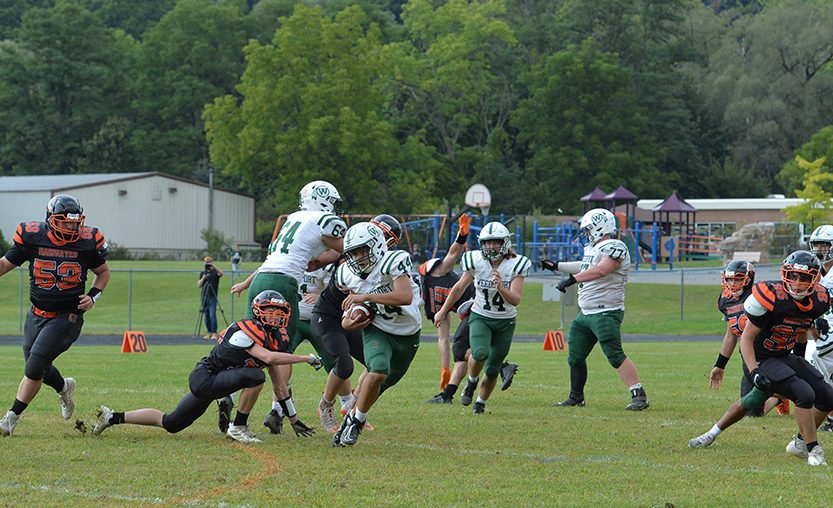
(684,212)
(597,198)
(623,196)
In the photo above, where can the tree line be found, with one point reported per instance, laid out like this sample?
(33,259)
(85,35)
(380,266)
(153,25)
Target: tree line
(404,104)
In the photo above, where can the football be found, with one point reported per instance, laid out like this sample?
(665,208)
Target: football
(361,312)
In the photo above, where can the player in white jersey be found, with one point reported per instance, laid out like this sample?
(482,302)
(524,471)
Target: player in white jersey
(821,244)
(381,279)
(602,275)
(314,232)
(498,275)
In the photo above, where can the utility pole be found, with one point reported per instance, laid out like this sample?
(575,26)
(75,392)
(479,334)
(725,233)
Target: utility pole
(210,197)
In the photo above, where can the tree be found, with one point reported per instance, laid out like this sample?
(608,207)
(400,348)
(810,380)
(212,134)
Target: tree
(314,105)
(820,146)
(817,193)
(131,16)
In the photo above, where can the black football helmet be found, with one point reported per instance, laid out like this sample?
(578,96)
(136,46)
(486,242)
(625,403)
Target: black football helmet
(271,309)
(737,276)
(800,272)
(390,227)
(65,218)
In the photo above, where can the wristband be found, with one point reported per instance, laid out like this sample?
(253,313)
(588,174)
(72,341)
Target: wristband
(94,293)
(462,239)
(721,361)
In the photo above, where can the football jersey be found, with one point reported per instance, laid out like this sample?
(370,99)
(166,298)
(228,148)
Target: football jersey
(435,291)
(608,292)
(299,242)
(311,282)
(393,319)
(824,345)
(732,309)
(329,303)
(487,300)
(57,273)
(781,318)
(232,353)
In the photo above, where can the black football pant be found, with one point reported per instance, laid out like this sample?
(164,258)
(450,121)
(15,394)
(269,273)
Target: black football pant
(44,339)
(794,378)
(460,342)
(339,344)
(205,388)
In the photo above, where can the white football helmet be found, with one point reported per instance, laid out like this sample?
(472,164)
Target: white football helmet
(494,231)
(364,245)
(597,223)
(319,196)
(821,243)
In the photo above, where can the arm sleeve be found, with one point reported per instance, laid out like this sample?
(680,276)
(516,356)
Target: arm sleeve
(522,266)
(399,263)
(102,249)
(17,254)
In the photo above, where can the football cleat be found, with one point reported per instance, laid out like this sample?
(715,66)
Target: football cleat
(816,457)
(797,447)
(507,374)
(438,399)
(639,401)
(351,432)
(224,407)
(340,431)
(479,408)
(241,433)
(827,426)
(327,415)
(8,423)
(346,408)
(468,393)
(783,408)
(102,419)
(65,398)
(571,401)
(274,422)
(701,441)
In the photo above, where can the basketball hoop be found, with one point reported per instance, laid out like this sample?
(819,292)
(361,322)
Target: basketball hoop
(478,196)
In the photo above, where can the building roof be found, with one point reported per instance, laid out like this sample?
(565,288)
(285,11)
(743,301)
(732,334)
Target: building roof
(622,194)
(674,203)
(730,204)
(596,195)
(55,182)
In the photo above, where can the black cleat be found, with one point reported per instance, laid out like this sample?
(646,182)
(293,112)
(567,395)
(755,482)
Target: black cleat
(224,407)
(468,393)
(438,399)
(337,436)
(274,422)
(571,401)
(479,408)
(639,400)
(507,373)
(351,432)
(827,426)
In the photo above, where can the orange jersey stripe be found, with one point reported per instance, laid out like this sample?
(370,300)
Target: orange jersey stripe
(255,333)
(17,235)
(768,305)
(99,239)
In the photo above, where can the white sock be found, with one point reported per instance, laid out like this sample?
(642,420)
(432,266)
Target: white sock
(474,379)
(480,400)
(358,415)
(345,399)
(276,406)
(635,387)
(714,432)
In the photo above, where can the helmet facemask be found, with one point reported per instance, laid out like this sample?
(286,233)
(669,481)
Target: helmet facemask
(361,259)
(494,248)
(66,227)
(271,314)
(735,282)
(822,250)
(799,280)
(391,236)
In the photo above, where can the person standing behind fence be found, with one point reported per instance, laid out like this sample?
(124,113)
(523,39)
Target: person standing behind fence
(235,261)
(209,282)
(602,276)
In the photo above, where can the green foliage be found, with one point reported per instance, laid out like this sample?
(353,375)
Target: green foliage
(216,244)
(793,174)
(817,193)
(118,252)
(4,244)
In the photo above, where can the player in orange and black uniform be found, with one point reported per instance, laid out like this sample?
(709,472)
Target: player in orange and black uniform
(59,252)
(236,362)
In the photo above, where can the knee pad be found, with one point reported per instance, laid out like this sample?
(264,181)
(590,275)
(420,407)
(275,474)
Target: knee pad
(343,366)
(804,398)
(617,360)
(36,367)
(480,354)
(491,372)
(459,350)
(615,356)
(171,425)
(754,399)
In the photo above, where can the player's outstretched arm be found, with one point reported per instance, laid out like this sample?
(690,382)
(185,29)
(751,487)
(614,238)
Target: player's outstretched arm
(6,266)
(238,288)
(726,350)
(278,358)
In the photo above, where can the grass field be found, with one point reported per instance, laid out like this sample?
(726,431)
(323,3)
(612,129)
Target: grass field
(168,303)
(523,452)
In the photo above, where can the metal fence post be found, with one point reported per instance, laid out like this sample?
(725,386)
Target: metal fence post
(129,298)
(682,293)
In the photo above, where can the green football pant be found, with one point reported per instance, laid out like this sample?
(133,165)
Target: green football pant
(386,353)
(604,328)
(490,340)
(283,284)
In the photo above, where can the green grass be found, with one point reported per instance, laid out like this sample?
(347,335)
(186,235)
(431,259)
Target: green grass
(168,303)
(522,453)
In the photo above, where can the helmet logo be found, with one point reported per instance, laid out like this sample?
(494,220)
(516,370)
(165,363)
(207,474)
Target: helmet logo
(322,191)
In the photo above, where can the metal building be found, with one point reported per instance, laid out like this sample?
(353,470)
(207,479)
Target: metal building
(140,211)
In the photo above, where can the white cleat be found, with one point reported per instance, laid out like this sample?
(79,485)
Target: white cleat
(816,457)
(701,441)
(8,423)
(327,415)
(65,398)
(798,448)
(241,433)
(102,416)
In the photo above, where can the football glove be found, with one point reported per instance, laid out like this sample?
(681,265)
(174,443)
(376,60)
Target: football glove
(823,326)
(565,283)
(315,362)
(760,380)
(550,265)
(302,429)
(464,222)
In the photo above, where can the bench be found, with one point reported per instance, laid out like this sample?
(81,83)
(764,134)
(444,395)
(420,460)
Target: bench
(751,256)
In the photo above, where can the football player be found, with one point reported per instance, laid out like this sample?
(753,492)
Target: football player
(235,363)
(343,345)
(498,275)
(602,276)
(779,315)
(737,280)
(381,279)
(60,251)
(821,244)
(313,233)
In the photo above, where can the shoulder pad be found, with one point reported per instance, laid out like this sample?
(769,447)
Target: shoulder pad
(521,266)
(763,297)
(615,249)
(332,225)
(467,262)
(396,263)
(240,339)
